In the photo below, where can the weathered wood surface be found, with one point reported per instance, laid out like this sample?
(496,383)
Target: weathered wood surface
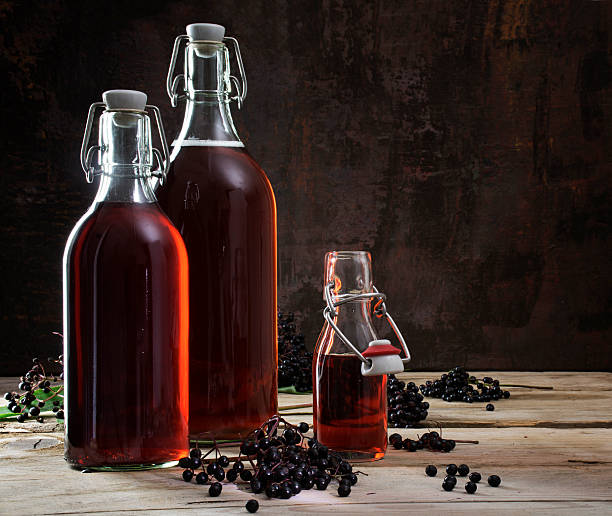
(553,450)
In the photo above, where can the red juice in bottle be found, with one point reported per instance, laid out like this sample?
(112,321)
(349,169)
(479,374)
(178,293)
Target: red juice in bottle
(125,314)
(224,205)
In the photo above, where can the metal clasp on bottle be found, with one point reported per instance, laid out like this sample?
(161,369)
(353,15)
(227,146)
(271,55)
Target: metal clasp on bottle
(92,169)
(172,82)
(374,361)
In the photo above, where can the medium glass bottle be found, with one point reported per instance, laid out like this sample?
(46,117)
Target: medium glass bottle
(125,306)
(230,234)
(350,365)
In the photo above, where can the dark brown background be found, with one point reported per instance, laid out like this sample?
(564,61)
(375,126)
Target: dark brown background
(466,144)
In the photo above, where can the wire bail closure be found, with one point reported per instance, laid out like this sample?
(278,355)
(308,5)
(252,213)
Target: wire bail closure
(172,82)
(87,154)
(369,366)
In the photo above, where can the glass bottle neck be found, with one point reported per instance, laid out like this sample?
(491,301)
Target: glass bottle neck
(208,118)
(350,272)
(125,157)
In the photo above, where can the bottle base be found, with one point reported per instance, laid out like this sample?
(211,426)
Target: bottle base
(123,467)
(360,456)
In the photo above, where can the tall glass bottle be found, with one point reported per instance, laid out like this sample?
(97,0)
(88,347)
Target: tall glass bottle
(232,251)
(125,306)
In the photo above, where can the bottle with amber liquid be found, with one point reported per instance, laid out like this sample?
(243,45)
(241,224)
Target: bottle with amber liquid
(230,235)
(350,363)
(126,312)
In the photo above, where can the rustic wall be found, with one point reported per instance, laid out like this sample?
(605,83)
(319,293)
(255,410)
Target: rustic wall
(466,144)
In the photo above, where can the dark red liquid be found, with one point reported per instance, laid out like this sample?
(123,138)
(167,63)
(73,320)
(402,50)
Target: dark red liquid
(350,410)
(230,235)
(126,342)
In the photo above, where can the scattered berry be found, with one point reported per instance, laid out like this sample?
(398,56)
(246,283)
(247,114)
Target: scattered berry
(448,486)
(252,505)
(451,469)
(451,479)
(215,489)
(490,407)
(475,477)
(431,470)
(470,487)
(187,475)
(463,470)
(344,490)
(494,481)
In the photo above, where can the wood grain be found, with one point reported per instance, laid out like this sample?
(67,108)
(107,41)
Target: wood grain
(545,469)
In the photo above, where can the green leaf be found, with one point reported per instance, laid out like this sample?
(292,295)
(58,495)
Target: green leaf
(5,413)
(291,390)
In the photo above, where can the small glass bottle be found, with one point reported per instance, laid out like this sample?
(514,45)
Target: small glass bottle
(351,364)
(230,235)
(125,305)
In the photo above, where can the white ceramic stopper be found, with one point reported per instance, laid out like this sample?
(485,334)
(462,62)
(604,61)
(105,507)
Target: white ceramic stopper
(125,99)
(387,363)
(205,32)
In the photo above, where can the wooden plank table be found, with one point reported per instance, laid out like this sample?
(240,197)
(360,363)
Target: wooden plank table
(552,449)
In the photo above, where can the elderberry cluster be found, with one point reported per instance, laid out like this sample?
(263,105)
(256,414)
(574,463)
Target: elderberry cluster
(429,440)
(458,385)
(294,361)
(279,464)
(38,392)
(405,403)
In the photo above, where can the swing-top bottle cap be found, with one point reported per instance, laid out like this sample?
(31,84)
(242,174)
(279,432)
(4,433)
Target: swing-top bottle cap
(205,32)
(124,99)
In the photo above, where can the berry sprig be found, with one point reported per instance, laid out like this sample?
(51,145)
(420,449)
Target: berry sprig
(41,391)
(294,361)
(277,459)
(405,403)
(458,385)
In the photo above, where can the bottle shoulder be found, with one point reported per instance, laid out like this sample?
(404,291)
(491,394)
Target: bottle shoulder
(218,166)
(126,226)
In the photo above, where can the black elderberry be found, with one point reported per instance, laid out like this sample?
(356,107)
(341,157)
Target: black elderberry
(345,467)
(195,453)
(201,478)
(223,461)
(463,470)
(211,468)
(219,474)
(470,487)
(284,492)
(307,483)
(187,475)
(475,477)
(295,487)
(448,486)
(303,427)
(321,484)
(451,478)
(21,418)
(238,466)
(55,403)
(60,414)
(34,411)
(257,486)
(431,470)
(451,469)
(246,475)
(344,490)
(196,462)
(494,481)
(252,505)
(272,490)
(231,475)
(351,477)
(215,489)
(490,407)
(8,396)
(393,438)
